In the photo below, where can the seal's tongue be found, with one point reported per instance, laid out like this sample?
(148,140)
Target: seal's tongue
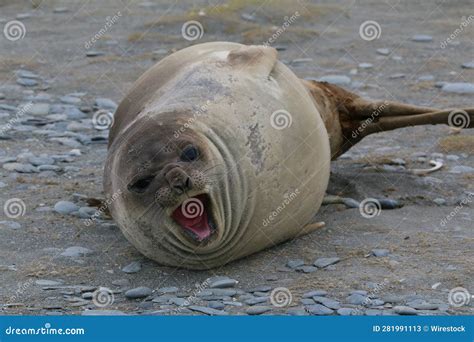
(192,215)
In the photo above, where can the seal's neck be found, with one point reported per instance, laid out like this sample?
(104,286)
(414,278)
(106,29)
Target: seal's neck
(349,118)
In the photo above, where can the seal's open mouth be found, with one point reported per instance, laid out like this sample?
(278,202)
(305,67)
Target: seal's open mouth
(194,215)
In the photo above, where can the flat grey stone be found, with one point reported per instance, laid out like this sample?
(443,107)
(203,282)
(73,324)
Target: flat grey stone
(38,109)
(468,65)
(396,76)
(461,169)
(383,52)
(133,267)
(325,262)
(327,302)
(121,282)
(439,201)
(458,88)
(366,65)
(404,310)
(65,207)
(256,300)
(104,103)
(103,313)
(167,290)
(36,161)
(319,310)
(422,38)
(380,252)
(138,292)
(357,299)
(351,203)
(21,168)
(46,282)
(27,82)
(313,293)
(294,263)
(76,252)
(70,100)
(261,288)
(208,311)
(348,312)
(307,301)
(258,310)
(387,203)
(73,143)
(223,283)
(26,74)
(213,304)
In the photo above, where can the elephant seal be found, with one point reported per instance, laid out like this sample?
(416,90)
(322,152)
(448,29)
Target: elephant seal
(220,150)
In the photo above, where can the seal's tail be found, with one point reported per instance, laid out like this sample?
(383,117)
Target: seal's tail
(349,118)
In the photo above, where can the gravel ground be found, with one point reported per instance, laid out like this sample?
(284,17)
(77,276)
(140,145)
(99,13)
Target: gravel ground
(80,57)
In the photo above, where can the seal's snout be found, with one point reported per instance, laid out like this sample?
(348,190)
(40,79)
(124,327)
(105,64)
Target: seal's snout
(177,179)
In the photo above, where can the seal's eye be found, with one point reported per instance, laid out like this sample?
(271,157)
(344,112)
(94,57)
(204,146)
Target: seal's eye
(140,185)
(190,153)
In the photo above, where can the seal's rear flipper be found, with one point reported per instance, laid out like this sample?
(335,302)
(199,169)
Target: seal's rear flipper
(349,118)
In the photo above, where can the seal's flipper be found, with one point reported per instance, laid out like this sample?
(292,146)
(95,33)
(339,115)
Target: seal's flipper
(258,58)
(349,118)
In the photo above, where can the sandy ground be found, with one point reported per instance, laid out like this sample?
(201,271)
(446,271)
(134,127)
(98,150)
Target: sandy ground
(426,259)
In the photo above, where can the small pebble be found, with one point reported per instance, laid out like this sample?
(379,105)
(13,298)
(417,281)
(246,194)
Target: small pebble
(258,310)
(422,38)
(76,252)
(208,311)
(380,252)
(65,207)
(294,263)
(324,262)
(404,310)
(138,292)
(319,310)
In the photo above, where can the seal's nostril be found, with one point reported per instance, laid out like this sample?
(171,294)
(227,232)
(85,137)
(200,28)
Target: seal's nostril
(187,183)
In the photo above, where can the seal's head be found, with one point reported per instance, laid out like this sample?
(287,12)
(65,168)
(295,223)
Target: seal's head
(168,177)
